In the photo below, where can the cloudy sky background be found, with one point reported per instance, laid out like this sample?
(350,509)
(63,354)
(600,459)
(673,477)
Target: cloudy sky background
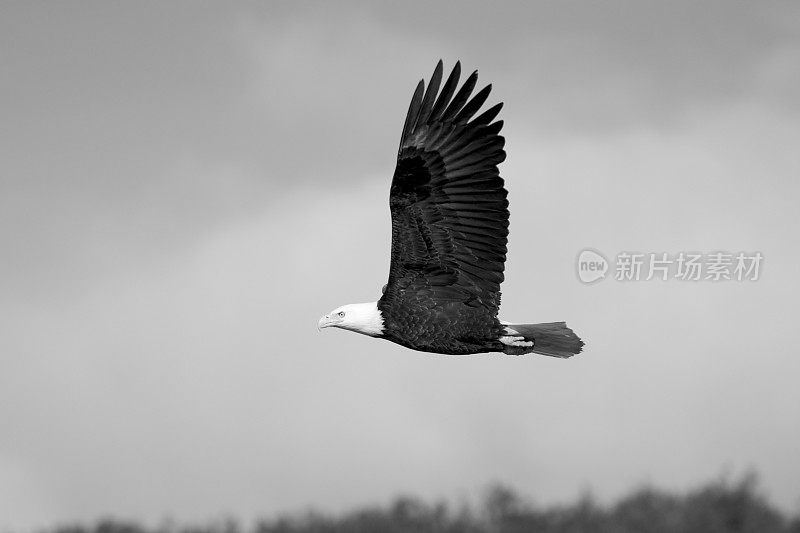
(185,188)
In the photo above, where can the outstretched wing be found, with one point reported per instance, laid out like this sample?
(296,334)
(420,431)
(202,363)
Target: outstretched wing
(447,200)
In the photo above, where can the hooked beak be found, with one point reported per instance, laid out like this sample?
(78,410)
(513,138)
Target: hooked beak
(325,322)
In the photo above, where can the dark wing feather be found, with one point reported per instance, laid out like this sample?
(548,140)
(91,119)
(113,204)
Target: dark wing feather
(413,112)
(447,200)
(430,94)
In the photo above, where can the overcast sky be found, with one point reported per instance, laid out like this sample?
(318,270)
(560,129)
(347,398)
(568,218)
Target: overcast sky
(185,188)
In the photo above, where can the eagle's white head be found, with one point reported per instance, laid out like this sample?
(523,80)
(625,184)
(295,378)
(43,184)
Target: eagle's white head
(362,318)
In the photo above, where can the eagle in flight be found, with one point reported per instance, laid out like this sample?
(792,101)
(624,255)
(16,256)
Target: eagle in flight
(449,234)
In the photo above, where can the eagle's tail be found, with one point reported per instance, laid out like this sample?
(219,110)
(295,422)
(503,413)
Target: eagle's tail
(554,339)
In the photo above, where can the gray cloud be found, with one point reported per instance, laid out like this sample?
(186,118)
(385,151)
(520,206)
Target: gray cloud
(113,108)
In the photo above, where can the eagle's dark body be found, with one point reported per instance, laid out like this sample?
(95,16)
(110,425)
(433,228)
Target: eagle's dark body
(449,213)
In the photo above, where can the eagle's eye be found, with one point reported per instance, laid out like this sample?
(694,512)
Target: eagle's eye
(341,314)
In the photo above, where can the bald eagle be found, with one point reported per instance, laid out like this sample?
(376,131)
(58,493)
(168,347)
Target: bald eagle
(449,234)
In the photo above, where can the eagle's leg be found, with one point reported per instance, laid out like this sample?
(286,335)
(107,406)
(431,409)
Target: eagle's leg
(513,338)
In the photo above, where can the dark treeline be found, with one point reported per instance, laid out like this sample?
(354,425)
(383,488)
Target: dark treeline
(721,506)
